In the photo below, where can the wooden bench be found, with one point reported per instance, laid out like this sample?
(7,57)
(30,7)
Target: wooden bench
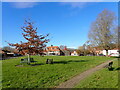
(25,60)
(110,65)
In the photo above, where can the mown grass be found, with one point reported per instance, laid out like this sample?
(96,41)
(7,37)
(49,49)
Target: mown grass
(102,79)
(41,75)
(0,75)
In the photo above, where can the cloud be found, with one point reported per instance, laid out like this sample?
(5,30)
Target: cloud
(75,4)
(23,4)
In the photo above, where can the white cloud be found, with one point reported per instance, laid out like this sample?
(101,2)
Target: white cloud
(75,4)
(23,4)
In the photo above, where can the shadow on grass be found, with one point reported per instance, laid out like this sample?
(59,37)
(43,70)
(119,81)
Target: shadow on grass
(56,62)
(66,62)
(116,57)
(118,68)
(113,69)
(36,64)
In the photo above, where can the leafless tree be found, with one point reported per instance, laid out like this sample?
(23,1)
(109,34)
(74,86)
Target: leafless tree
(7,48)
(102,30)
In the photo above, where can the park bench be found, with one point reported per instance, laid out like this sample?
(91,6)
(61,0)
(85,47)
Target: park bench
(49,61)
(25,60)
(109,66)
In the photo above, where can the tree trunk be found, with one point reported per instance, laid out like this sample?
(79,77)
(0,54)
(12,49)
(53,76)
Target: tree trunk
(28,58)
(106,53)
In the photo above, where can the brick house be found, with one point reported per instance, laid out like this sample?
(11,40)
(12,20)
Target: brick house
(53,50)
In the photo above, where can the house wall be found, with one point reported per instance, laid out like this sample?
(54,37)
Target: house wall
(74,53)
(110,52)
(98,52)
(55,52)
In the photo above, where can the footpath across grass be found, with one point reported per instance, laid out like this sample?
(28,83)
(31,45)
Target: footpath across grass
(102,79)
(41,75)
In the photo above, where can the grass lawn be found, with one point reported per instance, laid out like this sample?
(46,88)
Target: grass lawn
(102,79)
(0,75)
(41,75)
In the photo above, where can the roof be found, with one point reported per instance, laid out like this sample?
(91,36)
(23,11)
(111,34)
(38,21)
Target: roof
(73,51)
(53,47)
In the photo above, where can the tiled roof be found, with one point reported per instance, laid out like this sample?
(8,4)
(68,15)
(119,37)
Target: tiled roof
(52,48)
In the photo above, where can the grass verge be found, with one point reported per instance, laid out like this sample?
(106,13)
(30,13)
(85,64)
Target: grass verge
(102,79)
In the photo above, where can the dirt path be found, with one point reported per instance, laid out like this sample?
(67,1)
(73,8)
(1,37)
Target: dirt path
(75,80)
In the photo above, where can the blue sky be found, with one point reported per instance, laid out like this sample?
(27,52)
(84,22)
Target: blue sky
(67,23)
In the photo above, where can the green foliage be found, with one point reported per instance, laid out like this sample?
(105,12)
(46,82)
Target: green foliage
(102,79)
(41,75)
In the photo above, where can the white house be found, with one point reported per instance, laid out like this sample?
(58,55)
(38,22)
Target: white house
(113,52)
(74,53)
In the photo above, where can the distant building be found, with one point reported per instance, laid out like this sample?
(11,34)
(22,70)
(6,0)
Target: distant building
(98,52)
(113,52)
(74,53)
(60,51)
(53,50)
(2,52)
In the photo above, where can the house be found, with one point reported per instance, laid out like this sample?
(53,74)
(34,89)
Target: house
(74,53)
(98,52)
(65,52)
(68,51)
(113,52)
(2,52)
(53,50)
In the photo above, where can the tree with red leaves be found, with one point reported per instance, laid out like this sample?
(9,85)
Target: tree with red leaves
(35,43)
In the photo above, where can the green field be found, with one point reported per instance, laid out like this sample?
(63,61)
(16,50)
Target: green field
(0,75)
(41,75)
(102,79)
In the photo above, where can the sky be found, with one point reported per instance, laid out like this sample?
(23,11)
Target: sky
(68,23)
